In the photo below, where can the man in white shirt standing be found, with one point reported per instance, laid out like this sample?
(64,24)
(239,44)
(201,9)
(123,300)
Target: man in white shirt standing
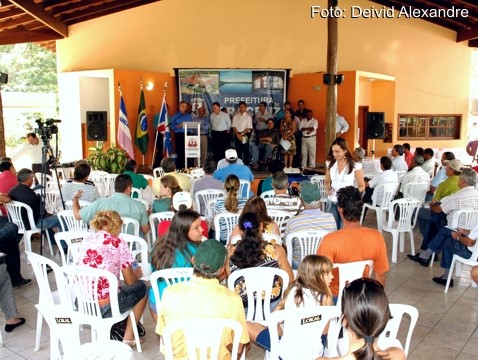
(221,131)
(341,126)
(29,155)
(242,126)
(308,127)
(398,162)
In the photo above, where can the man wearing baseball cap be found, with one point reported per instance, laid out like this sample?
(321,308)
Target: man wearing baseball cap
(203,297)
(241,171)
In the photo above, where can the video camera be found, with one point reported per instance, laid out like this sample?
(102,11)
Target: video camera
(46,129)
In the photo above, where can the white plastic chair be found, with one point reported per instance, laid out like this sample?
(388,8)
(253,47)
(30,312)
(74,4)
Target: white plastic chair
(408,210)
(416,190)
(319,180)
(138,192)
(224,223)
(458,261)
(155,219)
(301,339)
(47,297)
(308,240)
(85,281)
(49,180)
(109,181)
(83,203)
(130,224)
(202,198)
(197,340)
(348,272)
(15,210)
(158,172)
(465,219)
(98,178)
(244,189)
(267,194)
(69,223)
(138,246)
(258,280)
(281,218)
(170,276)
(274,238)
(53,201)
(390,333)
(73,239)
(382,196)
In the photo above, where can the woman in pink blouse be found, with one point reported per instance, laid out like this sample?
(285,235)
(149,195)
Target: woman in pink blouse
(105,250)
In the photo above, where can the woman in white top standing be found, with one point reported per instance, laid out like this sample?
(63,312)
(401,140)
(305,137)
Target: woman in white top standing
(341,171)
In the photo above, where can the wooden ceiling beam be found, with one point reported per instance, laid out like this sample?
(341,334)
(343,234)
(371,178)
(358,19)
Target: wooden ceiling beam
(41,15)
(22,36)
(10,13)
(468,34)
(473,43)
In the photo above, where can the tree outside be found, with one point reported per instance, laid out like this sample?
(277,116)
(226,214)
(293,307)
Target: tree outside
(31,92)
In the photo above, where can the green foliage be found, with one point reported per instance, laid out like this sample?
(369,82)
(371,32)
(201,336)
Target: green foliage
(112,160)
(30,68)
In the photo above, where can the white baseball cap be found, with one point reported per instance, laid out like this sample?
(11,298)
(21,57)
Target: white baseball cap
(231,154)
(182,198)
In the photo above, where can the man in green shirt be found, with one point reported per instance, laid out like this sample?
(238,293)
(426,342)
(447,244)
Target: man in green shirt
(139,181)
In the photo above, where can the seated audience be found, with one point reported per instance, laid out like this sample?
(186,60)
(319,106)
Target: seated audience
(359,154)
(169,167)
(80,182)
(224,162)
(266,140)
(387,175)
(105,250)
(398,163)
(8,177)
(241,171)
(231,202)
(203,296)
(429,164)
(207,182)
(175,248)
(310,288)
(310,218)
(440,176)
(168,187)
(365,314)
(281,199)
(266,184)
(407,154)
(131,169)
(252,251)
(354,242)
(8,303)
(416,173)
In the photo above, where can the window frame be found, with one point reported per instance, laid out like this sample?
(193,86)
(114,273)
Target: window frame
(428,118)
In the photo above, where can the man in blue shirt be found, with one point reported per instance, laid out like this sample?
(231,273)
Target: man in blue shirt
(177,125)
(241,171)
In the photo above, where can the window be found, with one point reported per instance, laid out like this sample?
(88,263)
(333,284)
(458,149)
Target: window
(429,126)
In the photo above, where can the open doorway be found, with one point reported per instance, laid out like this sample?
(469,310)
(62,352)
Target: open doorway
(362,124)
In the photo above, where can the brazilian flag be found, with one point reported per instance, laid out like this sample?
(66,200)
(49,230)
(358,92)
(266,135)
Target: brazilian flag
(141,136)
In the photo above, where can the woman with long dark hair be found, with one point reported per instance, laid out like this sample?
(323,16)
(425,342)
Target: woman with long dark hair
(341,171)
(365,313)
(176,248)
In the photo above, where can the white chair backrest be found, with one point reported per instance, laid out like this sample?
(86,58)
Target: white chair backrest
(196,174)
(408,210)
(197,340)
(158,172)
(170,276)
(300,328)
(224,223)
(267,194)
(73,240)
(138,246)
(400,174)
(69,223)
(319,180)
(144,202)
(244,189)
(281,218)
(416,190)
(148,194)
(155,219)
(465,218)
(109,181)
(274,238)
(53,201)
(15,210)
(391,330)
(98,178)
(349,272)
(308,241)
(49,179)
(258,280)
(383,194)
(136,192)
(83,203)
(130,226)
(202,198)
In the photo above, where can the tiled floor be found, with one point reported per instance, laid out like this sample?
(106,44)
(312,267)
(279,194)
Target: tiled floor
(447,326)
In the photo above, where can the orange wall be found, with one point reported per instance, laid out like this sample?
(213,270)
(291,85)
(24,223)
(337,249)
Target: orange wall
(130,83)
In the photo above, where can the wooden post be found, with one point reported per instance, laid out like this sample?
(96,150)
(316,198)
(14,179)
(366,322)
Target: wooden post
(331,104)
(2,128)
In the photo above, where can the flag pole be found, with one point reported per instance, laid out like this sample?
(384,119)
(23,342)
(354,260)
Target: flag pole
(156,138)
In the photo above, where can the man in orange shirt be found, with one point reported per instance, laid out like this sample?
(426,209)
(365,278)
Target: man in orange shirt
(354,242)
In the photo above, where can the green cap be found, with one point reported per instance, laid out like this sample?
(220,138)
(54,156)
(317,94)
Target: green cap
(309,192)
(210,256)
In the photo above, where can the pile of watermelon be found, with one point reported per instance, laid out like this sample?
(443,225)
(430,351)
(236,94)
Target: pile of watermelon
(112,160)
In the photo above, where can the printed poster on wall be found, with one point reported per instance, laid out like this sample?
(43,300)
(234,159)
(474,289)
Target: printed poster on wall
(203,87)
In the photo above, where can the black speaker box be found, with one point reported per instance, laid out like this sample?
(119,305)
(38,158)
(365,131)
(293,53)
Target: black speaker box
(3,78)
(96,125)
(375,125)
